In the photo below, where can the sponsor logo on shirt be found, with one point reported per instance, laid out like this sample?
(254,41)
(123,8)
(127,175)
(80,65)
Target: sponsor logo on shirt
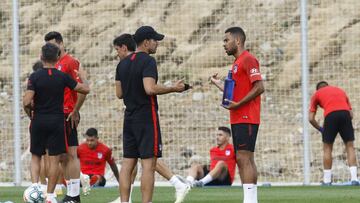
(100,155)
(245,117)
(227,152)
(254,71)
(235,68)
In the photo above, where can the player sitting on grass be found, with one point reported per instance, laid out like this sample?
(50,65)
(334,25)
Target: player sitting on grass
(222,163)
(93,156)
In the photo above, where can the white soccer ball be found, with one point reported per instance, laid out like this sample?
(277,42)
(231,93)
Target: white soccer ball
(33,195)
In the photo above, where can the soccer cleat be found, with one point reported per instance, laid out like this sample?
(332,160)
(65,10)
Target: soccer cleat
(51,200)
(181,193)
(355,183)
(85,182)
(116,201)
(197,183)
(68,199)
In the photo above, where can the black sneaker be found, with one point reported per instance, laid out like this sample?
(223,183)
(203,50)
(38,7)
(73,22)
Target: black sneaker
(355,183)
(68,199)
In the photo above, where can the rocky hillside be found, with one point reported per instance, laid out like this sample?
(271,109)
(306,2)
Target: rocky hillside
(193,50)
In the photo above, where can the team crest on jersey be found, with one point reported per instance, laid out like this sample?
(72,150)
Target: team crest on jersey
(100,155)
(227,152)
(235,68)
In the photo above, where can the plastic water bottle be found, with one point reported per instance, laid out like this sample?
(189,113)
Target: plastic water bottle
(228,89)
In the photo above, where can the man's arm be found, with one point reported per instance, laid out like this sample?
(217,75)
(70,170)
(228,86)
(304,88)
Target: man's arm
(217,82)
(115,170)
(80,101)
(151,88)
(314,122)
(119,92)
(83,89)
(350,111)
(74,116)
(27,101)
(256,90)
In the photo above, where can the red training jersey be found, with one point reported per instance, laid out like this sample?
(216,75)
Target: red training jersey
(331,99)
(245,71)
(69,65)
(227,155)
(92,161)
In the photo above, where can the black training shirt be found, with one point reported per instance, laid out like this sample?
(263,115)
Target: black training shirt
(130,72)
(49,85)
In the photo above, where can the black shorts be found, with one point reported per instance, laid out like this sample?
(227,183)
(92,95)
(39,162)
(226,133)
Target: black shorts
(71,133)
(47,132)
(217,182)
(338,122)
(141,139)
(244,136)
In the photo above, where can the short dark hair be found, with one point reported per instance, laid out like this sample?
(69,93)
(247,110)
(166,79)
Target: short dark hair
(50,53)
(37,65)
(127,40)
(237,31)
(321,84)
(225,129)
(92,132)
(53,35)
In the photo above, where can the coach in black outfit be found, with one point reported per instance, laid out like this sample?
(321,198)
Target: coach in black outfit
(46,88)
(136,78)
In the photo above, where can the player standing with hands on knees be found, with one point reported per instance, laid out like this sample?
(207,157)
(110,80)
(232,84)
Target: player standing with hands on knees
(244,108)
(338,119)
(46,88)
(136,83)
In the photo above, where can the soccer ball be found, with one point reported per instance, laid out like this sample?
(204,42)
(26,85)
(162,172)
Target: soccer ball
(33,195)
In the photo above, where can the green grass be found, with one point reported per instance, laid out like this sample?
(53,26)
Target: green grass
(310,194)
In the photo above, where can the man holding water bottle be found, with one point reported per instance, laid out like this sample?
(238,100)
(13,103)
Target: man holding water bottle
(244,107)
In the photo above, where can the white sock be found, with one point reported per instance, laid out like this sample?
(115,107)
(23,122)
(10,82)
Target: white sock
(206,179)
(190,179)
(353,173)
(131,190)
(50,196)
(34,185)
(176,182)
(250,193)
(327,175)
(68,187)
(43,187)
(74,188)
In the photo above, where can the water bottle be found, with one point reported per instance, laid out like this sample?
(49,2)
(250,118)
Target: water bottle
(228,89)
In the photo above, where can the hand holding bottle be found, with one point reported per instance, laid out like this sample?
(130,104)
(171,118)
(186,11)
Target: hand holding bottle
(228,90)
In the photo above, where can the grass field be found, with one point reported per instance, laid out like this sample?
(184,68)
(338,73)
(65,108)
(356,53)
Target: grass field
(311,194)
